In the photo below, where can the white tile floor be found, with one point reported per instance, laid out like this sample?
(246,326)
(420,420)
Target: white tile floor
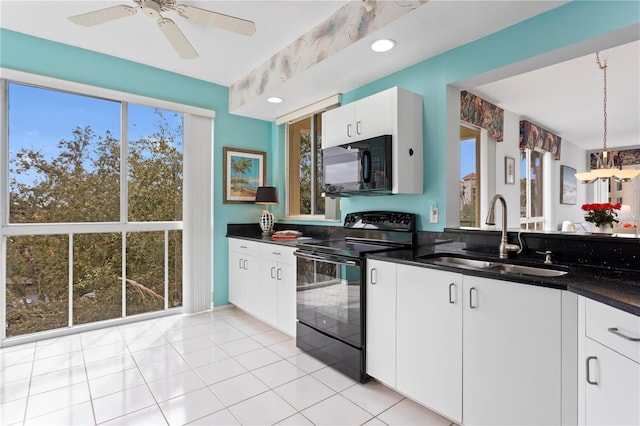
(215,368)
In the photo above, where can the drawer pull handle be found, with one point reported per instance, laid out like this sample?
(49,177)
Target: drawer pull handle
(588,373)
(615,331)
(472,290)
(451,299)
(243,247)
(277,253)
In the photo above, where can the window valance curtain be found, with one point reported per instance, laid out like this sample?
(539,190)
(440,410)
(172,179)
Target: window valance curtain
(625,157)
(475,110)
(533,136)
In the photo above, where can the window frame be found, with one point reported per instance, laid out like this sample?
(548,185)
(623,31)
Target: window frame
(316,141)
(529,222)
(123,226)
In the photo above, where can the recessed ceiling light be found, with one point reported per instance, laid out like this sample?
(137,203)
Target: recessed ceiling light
(383,45)
(274,100)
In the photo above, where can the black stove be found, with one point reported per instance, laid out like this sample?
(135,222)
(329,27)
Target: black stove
(368,232)
(330,287)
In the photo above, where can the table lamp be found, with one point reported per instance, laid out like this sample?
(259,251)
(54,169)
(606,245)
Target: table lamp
(266,195)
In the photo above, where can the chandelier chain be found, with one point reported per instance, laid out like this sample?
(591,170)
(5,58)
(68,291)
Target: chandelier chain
(604,69)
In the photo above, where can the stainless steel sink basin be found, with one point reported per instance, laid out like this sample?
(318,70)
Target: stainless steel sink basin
(461,261)
(528,270)
(503,268)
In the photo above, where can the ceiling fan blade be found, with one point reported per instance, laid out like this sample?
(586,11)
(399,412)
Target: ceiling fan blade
(103,15)
(177,39)
(226,22)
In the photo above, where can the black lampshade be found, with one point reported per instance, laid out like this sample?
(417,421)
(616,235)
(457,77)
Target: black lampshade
(267,195)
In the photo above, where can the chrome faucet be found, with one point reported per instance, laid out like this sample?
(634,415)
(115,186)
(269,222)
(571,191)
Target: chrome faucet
(505,247)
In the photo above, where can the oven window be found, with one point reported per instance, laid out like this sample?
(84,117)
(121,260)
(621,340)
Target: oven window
(328,298)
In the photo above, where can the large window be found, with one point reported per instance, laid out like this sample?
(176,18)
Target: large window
(531,189)
(305,167)
(93,230)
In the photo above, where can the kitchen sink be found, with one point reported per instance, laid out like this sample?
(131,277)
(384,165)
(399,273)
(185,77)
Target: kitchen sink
(500,267)
(460,261)
(507,268)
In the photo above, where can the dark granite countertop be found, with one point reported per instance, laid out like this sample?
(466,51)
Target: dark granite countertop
(259,238)
(615,287)
(607,283)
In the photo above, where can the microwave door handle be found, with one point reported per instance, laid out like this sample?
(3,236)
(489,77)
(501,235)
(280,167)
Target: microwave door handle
(366,166)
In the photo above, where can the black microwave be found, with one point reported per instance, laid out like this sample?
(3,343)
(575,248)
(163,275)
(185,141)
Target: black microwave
(362,167)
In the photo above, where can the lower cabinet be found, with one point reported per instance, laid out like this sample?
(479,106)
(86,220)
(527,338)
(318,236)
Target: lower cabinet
(476,350)
(429,357)
(609,377)
(262,282)
(512,356)
(381,321)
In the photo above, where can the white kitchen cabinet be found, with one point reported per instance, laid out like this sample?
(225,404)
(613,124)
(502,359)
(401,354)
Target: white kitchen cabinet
(363,119)
(279,290)
(476,350)
(381,321)
(243,262)
(512,357)
(262,282)
(396,112)
(429,338)
(609,373)
(286,276)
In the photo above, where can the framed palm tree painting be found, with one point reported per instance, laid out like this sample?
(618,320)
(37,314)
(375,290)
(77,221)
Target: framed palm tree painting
(244,171)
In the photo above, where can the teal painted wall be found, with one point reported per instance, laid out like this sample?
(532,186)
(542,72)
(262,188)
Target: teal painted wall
(565,26)
(30,54)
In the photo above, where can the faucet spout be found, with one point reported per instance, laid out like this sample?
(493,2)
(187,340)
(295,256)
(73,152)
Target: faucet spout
(505,247)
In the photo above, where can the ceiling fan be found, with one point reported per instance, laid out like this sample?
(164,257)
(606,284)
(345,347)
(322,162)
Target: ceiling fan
(171,31)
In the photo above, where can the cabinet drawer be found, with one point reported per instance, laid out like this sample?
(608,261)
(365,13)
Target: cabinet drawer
(277,253)
(603,322)
(250,248)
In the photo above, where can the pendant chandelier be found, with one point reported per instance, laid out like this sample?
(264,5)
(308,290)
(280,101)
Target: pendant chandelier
(605,167)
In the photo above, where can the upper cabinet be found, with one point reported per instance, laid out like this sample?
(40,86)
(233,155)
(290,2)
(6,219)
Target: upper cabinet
(396,112)
(363,119)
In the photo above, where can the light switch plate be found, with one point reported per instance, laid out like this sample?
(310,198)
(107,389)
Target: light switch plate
(433,217)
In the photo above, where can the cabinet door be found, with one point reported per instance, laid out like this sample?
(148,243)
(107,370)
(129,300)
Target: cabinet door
(429,354)
(613,396)
(374,115)
(338,126)
(236,282)
(381,321)
(512,353)
(286,276)
(267,282)
(252,278)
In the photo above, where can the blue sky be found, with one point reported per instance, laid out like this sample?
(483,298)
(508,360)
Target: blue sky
(40,118)
(467,157)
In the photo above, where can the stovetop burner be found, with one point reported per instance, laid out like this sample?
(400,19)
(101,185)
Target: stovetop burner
(343,247)
(368,232)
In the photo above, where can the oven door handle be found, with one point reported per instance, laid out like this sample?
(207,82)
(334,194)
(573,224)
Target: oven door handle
(329,258)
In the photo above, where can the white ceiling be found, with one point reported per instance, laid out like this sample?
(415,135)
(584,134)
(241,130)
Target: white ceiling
(555,97)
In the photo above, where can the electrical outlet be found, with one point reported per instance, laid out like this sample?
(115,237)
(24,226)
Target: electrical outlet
(433,217)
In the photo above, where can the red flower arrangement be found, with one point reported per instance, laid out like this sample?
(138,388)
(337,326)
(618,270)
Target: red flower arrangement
(601,213)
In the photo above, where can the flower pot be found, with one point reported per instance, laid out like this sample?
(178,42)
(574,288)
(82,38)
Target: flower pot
(604,228)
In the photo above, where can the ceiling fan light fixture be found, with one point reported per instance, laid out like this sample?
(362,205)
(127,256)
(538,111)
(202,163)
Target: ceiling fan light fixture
(383,45)
(274,99)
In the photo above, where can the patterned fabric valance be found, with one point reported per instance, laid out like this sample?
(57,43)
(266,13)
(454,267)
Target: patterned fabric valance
(532,136)
(621,158)
(477,111)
